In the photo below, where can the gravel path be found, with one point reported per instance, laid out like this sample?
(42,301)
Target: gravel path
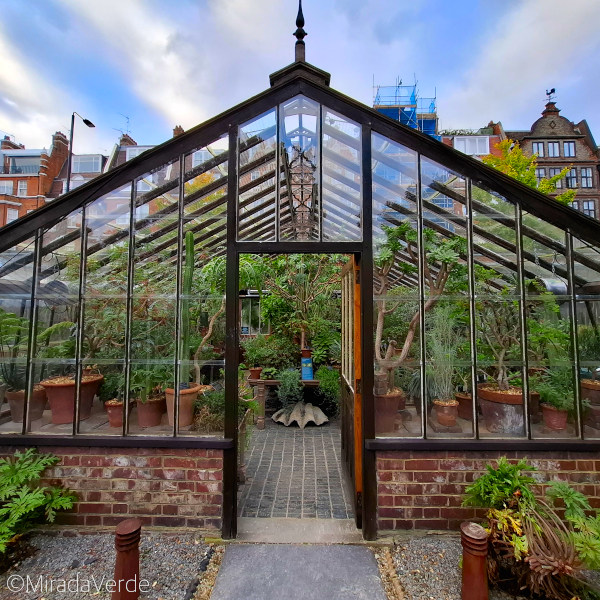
(428,568)
(170,563)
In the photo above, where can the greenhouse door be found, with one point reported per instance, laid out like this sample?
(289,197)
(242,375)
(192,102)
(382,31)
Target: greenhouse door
(352,432)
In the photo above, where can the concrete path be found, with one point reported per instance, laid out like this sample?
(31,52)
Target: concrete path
(297,572)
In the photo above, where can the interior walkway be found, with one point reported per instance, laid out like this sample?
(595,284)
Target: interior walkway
(295,473)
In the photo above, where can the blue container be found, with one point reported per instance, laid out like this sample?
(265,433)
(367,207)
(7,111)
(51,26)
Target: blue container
(307,368)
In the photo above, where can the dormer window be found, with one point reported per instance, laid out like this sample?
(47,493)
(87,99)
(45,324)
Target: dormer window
(86,164)
(474,145)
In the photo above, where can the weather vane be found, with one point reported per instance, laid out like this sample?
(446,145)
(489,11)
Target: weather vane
(550,94)
(300,34)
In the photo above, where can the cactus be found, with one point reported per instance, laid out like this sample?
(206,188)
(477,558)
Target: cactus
(188,274)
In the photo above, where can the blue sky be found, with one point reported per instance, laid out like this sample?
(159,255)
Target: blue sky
(144,66)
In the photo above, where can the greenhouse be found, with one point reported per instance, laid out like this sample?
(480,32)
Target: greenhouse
(467,305)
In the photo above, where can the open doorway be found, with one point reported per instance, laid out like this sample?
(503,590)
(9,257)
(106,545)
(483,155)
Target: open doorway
(293,457)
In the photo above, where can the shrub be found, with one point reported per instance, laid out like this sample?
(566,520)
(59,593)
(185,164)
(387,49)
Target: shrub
(274,351)
(23,502)
(328,391)
(290,389)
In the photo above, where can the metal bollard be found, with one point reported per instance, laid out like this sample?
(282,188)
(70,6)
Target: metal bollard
(474,541)
(127,565)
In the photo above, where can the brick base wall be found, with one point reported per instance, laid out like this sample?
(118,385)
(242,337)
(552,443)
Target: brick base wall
(160,486)
(424,490)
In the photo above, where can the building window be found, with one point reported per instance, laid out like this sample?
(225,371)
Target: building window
(144,185)
(553,149)
(12,214)
(133,151)
(586,177)
(587,207)
(553,172)
(254,175)
(569,149)
(6,187)
(86,164)
(199,157)
(540,173)
(538,148)
(571,178)
(472,144)
(22,188)
(24,164)
(252,323)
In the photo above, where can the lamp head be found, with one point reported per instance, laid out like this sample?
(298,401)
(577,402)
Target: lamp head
(88,123)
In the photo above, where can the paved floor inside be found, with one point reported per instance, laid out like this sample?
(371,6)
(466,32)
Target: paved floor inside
(295,473)
(273,572)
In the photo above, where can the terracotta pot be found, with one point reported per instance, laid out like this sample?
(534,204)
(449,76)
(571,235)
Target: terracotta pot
(115,414)
(187,397)
(502,411)
(149,413)
(386,409)
(590,390)
(592,416)
(554,418)
(446,413)
(255,372)
(465,405)
(37,403)
(61,395)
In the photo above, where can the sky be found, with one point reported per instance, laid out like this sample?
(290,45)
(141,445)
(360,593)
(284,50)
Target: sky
(143,66)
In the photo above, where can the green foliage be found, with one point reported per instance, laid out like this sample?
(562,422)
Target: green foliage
(521,167)
(443,340)
(575,502)
(274,351)
(555,387)
(268,373)
(589,344)
(23,501)
(290,390)
(504,486)
(328,390)
(325,336)
(188,276)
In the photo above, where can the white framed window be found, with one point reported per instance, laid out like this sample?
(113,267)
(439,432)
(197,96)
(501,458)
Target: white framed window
(133,151)
(474,145)
(569,149)
(540,173)
(553,171)
(86,164)
(76,182)
(6,187)
(571,178)
(22,187)
(586,177)
(12,214)
(537,148)
(199,157)
(553,149)
(254,175)
(143,185)
(587,207)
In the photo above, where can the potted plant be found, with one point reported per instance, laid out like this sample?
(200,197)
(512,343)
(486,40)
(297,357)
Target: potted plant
(501,401)
(13,341)
(145,384)
(555,388)
(268,373)
(443,254)
(446,411)
(589,357)
(114,410)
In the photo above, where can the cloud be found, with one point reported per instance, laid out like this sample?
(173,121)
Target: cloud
(535,45)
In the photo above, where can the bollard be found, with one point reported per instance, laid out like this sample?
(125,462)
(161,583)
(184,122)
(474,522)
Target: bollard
(127,565)
(474,541)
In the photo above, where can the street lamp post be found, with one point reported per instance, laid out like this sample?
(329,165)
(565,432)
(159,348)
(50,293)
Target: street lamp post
(70,156)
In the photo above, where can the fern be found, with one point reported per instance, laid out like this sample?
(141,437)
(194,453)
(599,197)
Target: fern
(22,501)
(575,502)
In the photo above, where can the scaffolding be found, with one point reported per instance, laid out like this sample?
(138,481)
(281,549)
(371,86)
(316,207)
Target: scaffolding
(403,104)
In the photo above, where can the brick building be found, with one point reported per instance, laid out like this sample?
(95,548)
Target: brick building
(561,143)
(27,175)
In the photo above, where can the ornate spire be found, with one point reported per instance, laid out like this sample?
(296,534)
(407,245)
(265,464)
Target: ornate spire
(300,34)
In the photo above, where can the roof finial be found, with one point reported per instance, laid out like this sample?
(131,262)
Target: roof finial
(300,33)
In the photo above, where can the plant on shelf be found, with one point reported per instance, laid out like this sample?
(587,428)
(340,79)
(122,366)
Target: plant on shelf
(275,351)
(146,383)
(396,262)
(290,390)
(589,357)
(555,388)
(269,373)
(23,501)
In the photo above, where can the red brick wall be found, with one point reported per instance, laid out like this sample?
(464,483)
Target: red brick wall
(162,487)
(424,490)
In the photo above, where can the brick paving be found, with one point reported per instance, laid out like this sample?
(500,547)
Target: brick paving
(295,473)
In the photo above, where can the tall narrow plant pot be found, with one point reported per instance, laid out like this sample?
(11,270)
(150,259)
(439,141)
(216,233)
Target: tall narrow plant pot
(37,403)
(465,405)
(187,397)
(114,410)
(386,409)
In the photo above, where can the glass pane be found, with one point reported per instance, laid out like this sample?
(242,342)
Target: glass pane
(342,180)
(257,178)
(299,203)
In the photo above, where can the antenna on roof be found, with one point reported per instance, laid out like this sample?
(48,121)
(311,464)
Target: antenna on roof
(300,35)
(127,120)
(550,94)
